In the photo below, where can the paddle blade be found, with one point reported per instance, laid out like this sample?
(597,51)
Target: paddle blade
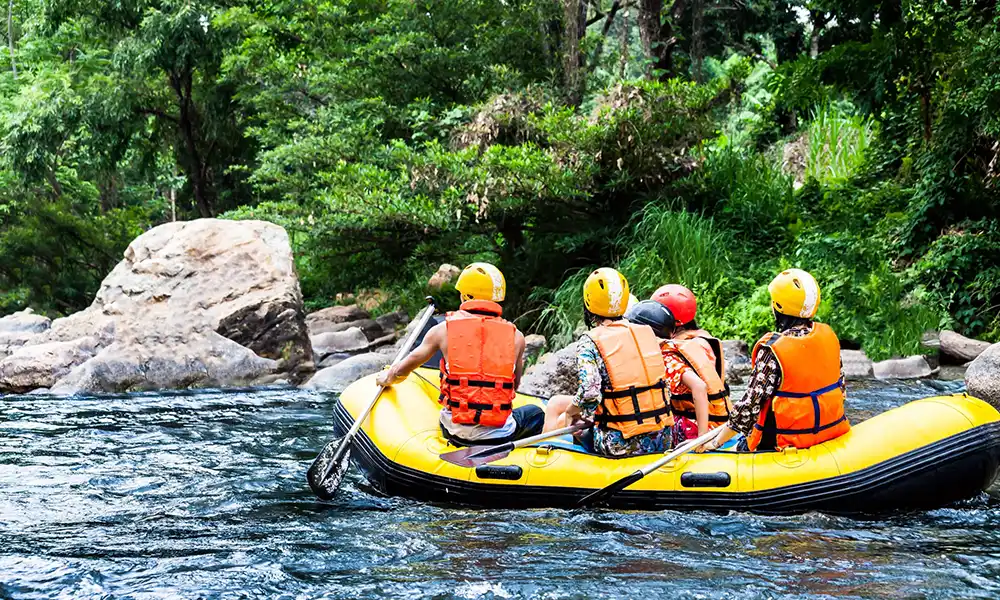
(323,476)
(472,457)
(605,493)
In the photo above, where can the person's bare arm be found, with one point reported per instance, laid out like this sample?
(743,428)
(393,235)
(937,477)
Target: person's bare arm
(699,391)
(519,365)
(417,357)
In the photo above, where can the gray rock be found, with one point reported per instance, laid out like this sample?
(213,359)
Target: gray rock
(737,355)
(10,341)
(856,365)
(42,365)
(370,326)
(960,347)
(952,372)
(351,340)
(157,361)
(982,380)
(554,373)
(333,359)
(317,321)
(338,377)
(445,274)
(389,321)
(182,289)
(25,321)
(534,345)
(911,367)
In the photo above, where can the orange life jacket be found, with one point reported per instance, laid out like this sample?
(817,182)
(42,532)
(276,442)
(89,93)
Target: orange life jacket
(809,405)
(636,402)
(712,372)
(477,375)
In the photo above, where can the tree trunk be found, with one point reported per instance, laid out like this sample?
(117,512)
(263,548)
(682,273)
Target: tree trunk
(194,164)
(10,36)
(697,39)
(819,21)
(623,60)
(571,58)
(649,31)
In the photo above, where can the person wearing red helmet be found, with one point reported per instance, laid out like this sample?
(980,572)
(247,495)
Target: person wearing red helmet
(699,397)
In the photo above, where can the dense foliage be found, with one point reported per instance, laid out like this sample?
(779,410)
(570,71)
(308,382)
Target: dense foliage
(709,142)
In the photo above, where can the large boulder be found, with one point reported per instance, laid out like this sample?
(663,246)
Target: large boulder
(555,373)
(370,327)
(25,321)
(959,347)
(445,274)
(183,290)
(344,373)
(856,365)
(911,367)
(982,379)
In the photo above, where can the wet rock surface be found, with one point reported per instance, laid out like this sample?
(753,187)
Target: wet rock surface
(983,376)
(911,367)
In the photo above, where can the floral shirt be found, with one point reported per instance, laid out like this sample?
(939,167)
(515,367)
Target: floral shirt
(765,380)
(684,428)
(593,377)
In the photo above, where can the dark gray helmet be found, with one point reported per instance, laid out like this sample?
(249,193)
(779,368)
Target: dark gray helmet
(654,314)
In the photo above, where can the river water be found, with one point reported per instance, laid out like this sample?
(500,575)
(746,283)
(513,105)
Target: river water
(203,496)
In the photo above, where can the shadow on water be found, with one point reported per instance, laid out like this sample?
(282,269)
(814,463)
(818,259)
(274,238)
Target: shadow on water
(202,496)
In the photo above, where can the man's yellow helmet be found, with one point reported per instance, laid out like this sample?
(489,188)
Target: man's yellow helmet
(605,293)
(795,293)
(482,281)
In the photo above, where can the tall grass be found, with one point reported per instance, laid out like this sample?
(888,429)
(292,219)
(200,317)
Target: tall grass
(837,144)
(674,246)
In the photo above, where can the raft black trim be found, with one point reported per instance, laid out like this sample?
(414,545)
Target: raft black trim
(932,476)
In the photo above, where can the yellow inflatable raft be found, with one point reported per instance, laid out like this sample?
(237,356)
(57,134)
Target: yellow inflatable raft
(925,454)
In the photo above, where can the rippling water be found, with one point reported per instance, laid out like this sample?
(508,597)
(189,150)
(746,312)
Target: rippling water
(203,497)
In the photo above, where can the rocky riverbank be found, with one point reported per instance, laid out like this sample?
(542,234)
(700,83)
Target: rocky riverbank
(217,303)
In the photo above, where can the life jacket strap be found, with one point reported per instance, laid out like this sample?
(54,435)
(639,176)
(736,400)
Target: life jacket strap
(720,395)
(633,391)
(507,385)
(812,430)
(823,390)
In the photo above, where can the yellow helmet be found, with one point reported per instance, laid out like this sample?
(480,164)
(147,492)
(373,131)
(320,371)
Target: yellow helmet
(794,293)
(605,293)
(481,281)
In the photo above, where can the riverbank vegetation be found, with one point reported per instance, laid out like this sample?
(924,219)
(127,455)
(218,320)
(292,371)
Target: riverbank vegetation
(708,142)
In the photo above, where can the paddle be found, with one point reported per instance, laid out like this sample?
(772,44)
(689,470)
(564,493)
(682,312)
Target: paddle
(474,456)
(330,465)
(607,492)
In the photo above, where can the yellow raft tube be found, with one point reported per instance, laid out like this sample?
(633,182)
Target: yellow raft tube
(925,454)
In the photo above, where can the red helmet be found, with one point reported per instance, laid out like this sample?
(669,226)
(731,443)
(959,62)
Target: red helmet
(679,300)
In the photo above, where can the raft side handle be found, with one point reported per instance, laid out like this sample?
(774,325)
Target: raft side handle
(718,479)
(506,472)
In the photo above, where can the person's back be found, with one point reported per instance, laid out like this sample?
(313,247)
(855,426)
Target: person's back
(621,385)
(483,357)
(808,406)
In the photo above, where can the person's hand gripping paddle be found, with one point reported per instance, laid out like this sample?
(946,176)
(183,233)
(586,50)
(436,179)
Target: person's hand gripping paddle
(331,464)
